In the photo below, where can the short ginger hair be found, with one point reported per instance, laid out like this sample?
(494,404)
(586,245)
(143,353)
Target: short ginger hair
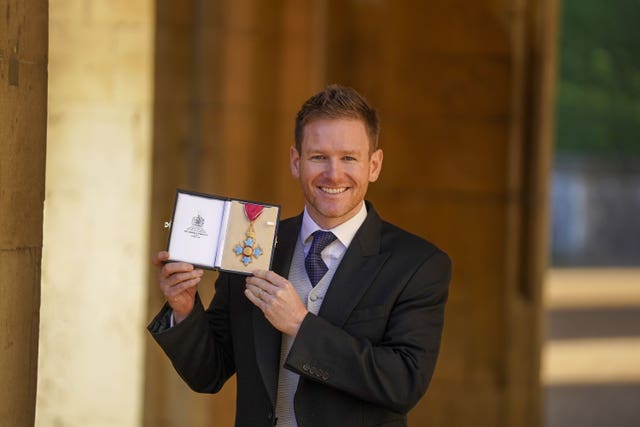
(337,102)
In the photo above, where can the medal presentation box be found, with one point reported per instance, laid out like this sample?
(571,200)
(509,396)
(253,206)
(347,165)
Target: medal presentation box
(224,234)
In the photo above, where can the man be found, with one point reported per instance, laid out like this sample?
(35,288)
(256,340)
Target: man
(345,331)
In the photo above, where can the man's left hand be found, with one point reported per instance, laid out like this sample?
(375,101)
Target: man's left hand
(277,299)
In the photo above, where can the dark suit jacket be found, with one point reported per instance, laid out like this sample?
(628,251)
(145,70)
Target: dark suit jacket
(364,360)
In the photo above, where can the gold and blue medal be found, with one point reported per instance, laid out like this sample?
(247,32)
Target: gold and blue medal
(248,249)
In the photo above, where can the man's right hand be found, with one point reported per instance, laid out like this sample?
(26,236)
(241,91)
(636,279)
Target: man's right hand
(177,281)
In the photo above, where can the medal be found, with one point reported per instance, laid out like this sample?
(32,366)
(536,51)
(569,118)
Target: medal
(248,249)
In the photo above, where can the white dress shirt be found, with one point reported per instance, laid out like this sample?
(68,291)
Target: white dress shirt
(344,233)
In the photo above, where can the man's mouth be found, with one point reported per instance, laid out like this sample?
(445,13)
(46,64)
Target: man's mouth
(333,190)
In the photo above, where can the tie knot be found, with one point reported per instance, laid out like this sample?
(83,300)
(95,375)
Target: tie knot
(320,241)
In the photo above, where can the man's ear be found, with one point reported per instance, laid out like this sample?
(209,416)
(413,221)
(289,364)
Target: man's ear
(375,165)
(294,161)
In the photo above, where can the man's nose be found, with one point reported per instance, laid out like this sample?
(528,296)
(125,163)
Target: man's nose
(334,168)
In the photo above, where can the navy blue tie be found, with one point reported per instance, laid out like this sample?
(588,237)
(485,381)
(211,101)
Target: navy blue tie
(316,268)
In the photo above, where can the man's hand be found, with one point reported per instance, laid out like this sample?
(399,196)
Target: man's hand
(177,281)
(277,299)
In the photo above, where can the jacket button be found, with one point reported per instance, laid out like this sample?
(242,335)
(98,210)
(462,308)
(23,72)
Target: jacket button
(305,367)
(325,376)
(312,370)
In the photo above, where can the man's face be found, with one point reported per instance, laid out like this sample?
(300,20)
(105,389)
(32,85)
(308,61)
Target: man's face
(334,168)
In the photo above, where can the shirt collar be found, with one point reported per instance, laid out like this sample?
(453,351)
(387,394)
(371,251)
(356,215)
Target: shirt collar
(345,232)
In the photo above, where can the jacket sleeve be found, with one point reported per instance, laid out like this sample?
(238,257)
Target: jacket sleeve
(393,372)
(200,346)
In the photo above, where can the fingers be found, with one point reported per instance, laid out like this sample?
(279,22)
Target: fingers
(172,268)
(159,258)
(253,294)
(277,299)
(270,277)
(167,268)
(257,284)
(262,293)
(268,281)
(175,279)
(266,288)
(173,292)
(177,267)
(179,289)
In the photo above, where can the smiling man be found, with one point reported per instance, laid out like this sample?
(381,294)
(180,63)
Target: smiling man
(334,166)
(345,330)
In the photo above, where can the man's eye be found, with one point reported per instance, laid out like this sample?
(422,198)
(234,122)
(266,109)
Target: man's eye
(349,158)
(317,157)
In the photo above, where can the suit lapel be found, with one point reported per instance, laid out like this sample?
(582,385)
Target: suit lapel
(358,269)
(267,339)
(286,244)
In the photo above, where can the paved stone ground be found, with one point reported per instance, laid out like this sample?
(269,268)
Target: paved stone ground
(591,362)
(593,405)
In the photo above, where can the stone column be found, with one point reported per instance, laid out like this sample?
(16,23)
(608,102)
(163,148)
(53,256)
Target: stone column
(95,256)
(23,117)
